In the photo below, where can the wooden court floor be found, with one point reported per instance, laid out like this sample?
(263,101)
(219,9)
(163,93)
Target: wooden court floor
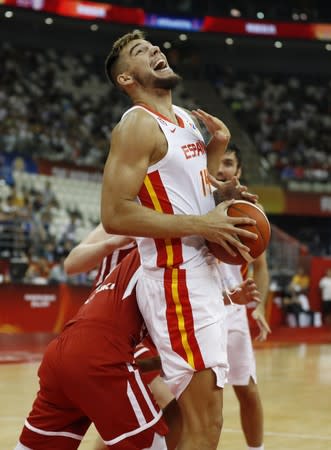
(295,384)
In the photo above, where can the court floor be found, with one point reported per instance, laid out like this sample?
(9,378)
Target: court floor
(295,385)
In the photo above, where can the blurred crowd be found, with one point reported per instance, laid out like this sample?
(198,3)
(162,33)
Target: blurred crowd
(33,247)
(52,106)
(287,117)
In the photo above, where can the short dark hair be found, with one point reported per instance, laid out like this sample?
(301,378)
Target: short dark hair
(233,148)
(119,44)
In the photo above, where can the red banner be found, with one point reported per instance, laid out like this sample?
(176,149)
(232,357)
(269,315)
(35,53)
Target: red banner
(93,10)
(276,200)
(34,309)
(308,204)
(264,28)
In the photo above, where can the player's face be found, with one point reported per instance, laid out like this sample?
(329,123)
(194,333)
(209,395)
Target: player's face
(228,167)
(149,66)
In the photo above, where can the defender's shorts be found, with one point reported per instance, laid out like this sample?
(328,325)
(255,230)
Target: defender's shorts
(80,384)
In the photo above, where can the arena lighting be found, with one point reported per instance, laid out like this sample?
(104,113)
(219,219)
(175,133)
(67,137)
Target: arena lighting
(229,41)
(183,37)
(94,27)
(234,12)
(278,44)
(167,44)
(328,47)
(260,15)
(8,14)
(49,21)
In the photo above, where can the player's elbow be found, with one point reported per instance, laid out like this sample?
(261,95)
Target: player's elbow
(110,222)
(116,216)
(68,266)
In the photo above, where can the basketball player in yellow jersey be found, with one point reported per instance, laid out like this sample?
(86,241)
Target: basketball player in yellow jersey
(156,187)
(242,373)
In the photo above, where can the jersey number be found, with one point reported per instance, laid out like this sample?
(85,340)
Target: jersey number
(205,183)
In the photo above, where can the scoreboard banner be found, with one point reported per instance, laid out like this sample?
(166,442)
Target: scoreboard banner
(94,10)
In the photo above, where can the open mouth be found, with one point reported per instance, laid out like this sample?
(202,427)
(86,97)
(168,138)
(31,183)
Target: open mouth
(160,65)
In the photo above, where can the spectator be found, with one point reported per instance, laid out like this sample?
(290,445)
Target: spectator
(300,281)
(296,304)
(325,287)
(57,273)
(49,196)
(37,272)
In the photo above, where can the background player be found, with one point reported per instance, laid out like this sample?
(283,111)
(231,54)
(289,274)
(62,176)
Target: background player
(242,373)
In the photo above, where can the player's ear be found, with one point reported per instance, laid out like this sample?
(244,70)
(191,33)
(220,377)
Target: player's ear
(124,79)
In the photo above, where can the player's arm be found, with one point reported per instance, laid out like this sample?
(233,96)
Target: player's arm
(219,139)
(243,294)
(262,279)
(91,250)
(135,145)
(149,364)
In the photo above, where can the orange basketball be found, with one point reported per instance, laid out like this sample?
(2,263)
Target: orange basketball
(242,208)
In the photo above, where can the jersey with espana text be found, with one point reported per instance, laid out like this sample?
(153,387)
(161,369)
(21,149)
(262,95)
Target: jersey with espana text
(177,184)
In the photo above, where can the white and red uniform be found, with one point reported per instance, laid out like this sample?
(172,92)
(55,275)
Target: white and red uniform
(88,374)
(179,292)
(109,262)
(241,357)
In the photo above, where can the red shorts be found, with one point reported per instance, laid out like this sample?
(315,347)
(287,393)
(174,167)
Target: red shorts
(79,384)
(147,349)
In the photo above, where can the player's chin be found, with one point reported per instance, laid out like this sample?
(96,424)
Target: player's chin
(166,80)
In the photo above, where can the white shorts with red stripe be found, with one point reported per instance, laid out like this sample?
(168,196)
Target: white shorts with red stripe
(185,316)
(240,349)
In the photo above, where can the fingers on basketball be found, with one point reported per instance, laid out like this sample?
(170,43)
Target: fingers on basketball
(243,208)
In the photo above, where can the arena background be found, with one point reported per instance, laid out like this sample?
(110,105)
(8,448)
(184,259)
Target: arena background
(265,70)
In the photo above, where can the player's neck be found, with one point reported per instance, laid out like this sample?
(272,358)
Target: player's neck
(161,104)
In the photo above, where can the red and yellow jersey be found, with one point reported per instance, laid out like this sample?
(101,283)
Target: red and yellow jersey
(177,184)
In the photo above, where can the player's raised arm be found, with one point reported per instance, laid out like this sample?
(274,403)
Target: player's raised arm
(219,138)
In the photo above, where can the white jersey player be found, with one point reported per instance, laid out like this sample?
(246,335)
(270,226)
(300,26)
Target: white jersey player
(156,188)
(242,366)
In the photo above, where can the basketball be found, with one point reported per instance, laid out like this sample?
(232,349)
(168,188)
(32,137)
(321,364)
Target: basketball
(242,208)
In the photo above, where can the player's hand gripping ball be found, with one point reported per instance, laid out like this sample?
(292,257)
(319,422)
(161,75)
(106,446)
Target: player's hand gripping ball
(242,208)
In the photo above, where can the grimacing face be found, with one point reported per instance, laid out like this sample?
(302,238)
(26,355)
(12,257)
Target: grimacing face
(147,65)
(228,167)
